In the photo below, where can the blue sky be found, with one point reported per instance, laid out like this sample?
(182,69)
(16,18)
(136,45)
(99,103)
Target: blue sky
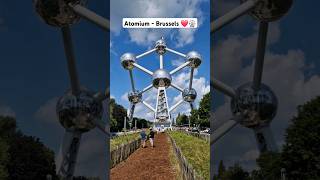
(140,40)
(34,73)
(292,71)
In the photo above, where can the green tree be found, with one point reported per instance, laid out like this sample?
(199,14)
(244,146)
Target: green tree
(269,166)
(182,119)
(142,123)
(235,173)
(117,113)
(4,156)
(201,115)
(24,157)
(29,158)
(300,156)
(221,169)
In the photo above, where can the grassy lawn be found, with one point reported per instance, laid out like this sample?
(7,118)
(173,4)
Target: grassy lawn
(195,150)
(123,140)
(174,162)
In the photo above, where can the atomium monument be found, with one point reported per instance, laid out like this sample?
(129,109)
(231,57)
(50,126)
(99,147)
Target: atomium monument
(79,110)
(161,80)
(253,104)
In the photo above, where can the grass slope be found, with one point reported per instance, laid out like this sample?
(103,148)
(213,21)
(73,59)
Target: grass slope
(124,139)
(195,150)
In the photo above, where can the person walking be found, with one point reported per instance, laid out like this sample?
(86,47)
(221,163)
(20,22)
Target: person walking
(151,137)
(143,136)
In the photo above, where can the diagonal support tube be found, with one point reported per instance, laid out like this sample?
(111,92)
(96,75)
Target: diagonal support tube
(149,106)
(142,69)
(176,105)
(147,88)
(220,86)
(222,130)
(91,16)
(180,67)
(177,87)
(72,69)
(145,53)
(232,15)
(176,52)
(132,82)
(261,48)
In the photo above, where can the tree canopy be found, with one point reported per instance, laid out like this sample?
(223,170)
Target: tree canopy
(198,116)
(118,113)
(301,152)
(300,157)
(22,156)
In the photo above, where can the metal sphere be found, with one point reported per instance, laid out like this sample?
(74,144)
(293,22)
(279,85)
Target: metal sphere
(195,59)
(135,97)
(161,46)
(161,78)
(189,95)
(127,61)
(57,12)
(270,10)
(257,107)
(78,112)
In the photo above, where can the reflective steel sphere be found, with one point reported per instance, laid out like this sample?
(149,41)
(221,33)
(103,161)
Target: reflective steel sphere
(78,112)
(257,107)
(57,12)
(135,97)
(161,46)
(189,95)
(270,10)
(195,59)
(127,60)
(161,78)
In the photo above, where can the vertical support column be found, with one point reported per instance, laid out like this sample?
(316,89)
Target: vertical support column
(69,151)
(161,61)
(191,78)
(131,78)
(162,116)
(260,54)
(135,124)
(265,139)
(125,124)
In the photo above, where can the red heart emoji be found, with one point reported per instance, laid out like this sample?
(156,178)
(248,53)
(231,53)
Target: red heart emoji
(184,23)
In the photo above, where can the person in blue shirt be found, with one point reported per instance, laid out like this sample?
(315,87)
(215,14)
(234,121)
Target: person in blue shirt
(143,136)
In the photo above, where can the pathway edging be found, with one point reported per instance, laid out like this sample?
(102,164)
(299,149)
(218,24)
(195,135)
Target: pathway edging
(188,173)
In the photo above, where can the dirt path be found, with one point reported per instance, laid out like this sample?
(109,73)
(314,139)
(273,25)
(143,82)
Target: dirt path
(147,163)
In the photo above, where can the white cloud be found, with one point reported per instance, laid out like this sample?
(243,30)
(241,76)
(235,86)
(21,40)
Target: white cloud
(235,49)
(124,97)
(177,62)
(47,112)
